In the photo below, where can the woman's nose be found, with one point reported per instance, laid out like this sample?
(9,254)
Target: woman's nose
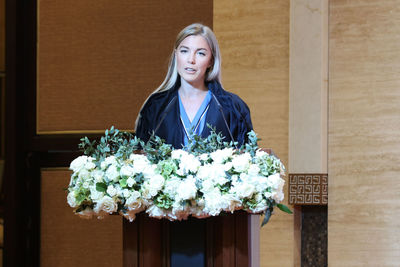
(191,58)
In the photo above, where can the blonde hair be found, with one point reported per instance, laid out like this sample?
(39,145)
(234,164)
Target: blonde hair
(212,74)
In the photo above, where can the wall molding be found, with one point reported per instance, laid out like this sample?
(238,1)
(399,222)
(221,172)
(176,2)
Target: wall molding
(308,188)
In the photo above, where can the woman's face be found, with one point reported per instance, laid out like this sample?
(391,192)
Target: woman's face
(193,56)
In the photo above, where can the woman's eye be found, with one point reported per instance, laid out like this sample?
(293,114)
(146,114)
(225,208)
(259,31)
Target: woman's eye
(183,51)
(202,53)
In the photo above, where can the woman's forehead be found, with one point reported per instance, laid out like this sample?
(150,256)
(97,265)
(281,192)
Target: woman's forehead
(195,41)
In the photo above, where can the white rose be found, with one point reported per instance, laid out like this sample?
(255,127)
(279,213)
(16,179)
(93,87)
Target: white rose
(126,193)
(85,185)
(178,153)
(111,190)
(94,194)
(140,162)
(130,214)
(72,200)
(155,212)
(189,163)
(214,203)
(127,170)
(231,202)
(98,175)
(90,164)
(111,160)
(260,153)
(227,166)
(112,173)
(203,157)
(244,190)
(171,185)
(204,172)
(134,202)
(261,206)
(221,155)
(78,163)
(277,184)
(187,189)
(106,204)
(253,170)
(84,174)
(207,185)
(241,162)
(153,185)
(130,181)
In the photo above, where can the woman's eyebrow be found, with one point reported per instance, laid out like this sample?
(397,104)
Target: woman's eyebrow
(201,48)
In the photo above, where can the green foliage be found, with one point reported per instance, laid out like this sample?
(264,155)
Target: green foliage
(156,149)
(251,145)
(198,145)
(284,208)
(167,167)
(163,201)
(101,187)
(114,142)
(267,216)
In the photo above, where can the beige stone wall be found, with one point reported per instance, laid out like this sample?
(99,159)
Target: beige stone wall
(364,133)
(98,60)
(254,40)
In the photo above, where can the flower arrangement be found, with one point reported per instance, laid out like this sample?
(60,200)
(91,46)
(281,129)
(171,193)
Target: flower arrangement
(208,177)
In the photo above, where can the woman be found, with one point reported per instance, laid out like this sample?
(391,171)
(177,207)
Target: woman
(191,97)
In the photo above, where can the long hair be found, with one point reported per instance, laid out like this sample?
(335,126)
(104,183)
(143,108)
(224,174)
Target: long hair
(212,74)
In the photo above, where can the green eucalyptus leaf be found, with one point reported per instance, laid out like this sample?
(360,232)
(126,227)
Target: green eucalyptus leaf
(267,216)
(284,208)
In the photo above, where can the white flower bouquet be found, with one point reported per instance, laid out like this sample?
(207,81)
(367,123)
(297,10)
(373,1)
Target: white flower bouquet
(209,177)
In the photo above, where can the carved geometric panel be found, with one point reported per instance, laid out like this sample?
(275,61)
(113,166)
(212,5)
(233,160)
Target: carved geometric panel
(308,188)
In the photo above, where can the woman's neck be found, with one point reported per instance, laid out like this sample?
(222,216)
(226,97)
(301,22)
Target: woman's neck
(188,90)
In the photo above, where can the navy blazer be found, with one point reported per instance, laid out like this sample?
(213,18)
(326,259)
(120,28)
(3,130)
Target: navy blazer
(161,114)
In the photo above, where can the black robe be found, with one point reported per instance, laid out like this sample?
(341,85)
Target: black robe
(161,114)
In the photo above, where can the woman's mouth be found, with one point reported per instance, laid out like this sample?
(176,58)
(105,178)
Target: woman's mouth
(190,70)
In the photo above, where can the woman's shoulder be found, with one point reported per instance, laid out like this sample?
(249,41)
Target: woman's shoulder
(228,99)
(156,100)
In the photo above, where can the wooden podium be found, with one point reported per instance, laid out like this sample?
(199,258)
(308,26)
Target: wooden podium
(232,240)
